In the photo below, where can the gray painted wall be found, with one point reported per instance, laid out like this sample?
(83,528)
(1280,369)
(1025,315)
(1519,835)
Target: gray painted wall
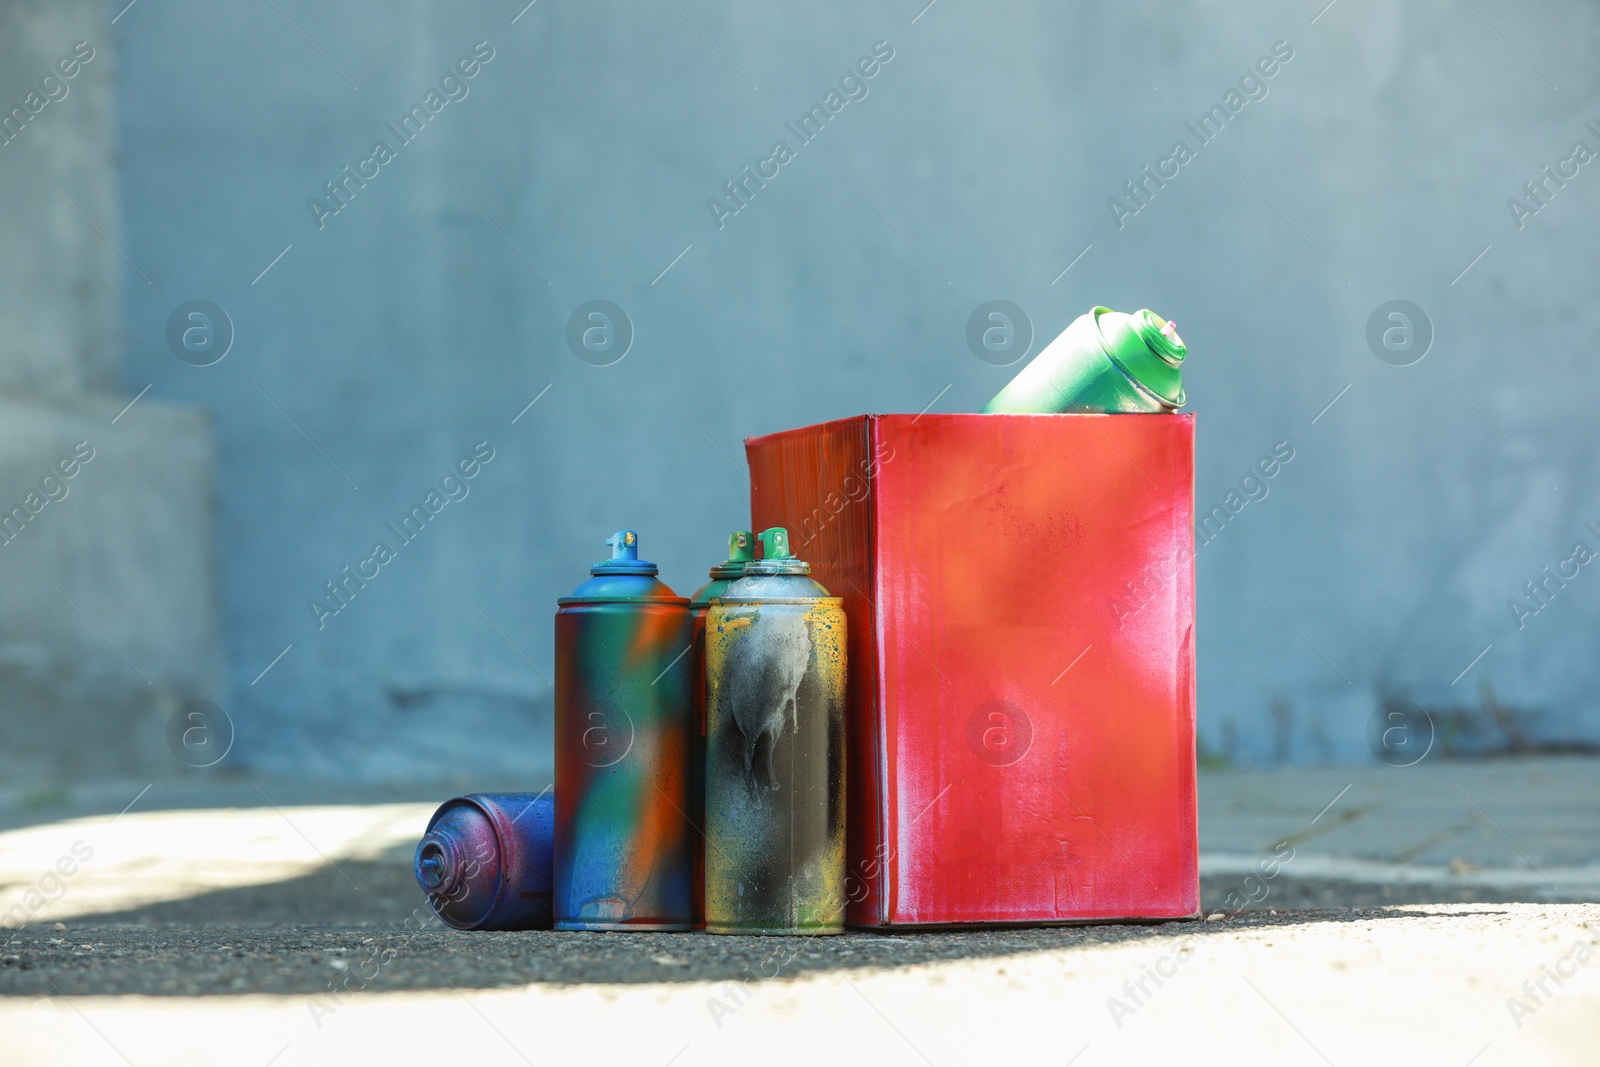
(426,314)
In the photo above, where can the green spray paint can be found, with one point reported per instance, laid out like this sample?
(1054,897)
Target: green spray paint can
(775,692)
(1105,361)
(741,550)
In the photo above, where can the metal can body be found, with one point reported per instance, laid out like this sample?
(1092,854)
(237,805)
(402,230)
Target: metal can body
(1105,362)
(741,550)
(485,861)
(624,734)
(775,695)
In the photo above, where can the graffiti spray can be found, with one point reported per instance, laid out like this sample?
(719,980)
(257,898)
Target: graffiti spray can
(485,861)
(1104,362)
(741,550)
(624,725)
(775,692)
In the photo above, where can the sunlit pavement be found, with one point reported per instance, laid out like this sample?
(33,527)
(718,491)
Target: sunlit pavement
(178,908)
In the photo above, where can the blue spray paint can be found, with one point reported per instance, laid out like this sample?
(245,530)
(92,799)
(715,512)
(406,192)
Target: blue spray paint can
(625,729)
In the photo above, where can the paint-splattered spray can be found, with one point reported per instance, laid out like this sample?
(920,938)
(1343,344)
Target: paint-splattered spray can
(1104,362)
(485,861)
(741,550)
(775,691)
(624,731)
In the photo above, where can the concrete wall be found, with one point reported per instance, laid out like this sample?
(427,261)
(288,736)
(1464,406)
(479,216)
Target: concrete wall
(376,345)
(108,603)
(60,278)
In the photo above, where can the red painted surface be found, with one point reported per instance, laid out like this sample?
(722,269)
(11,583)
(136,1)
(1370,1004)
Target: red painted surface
(1020,593)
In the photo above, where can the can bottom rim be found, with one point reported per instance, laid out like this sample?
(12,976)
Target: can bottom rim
(625,927)
(775,931)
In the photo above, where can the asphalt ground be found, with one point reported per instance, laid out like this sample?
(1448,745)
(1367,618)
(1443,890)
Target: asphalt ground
(380,937)
(1463,984)
(1369,915)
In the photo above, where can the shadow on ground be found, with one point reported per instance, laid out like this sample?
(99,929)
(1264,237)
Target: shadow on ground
(365,927)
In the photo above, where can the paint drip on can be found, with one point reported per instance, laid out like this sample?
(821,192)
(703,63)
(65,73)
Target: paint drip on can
(485,860)
(775,803)
(624,733)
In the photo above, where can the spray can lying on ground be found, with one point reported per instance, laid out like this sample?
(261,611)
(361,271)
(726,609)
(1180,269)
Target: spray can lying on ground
(624,730)
(485,861)
(1104,362)
(775,691)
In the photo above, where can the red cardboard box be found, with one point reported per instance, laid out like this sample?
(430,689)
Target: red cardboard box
(1020,596)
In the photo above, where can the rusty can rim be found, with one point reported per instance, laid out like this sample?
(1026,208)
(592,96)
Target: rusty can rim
(776,600)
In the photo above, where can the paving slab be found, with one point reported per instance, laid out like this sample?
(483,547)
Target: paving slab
(1504,812)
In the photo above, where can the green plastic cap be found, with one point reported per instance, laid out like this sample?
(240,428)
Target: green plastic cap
(741,546)
(776,559)
(1147,348)
(775,543)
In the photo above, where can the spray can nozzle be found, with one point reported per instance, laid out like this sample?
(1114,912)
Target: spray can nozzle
(437,869)
(624,544)
(775,543)
(741,547)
